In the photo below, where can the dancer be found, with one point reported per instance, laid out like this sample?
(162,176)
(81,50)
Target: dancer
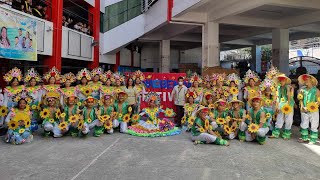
(234,83)
(251,80)
(82,89)
(140,89)
(95,84)
(195,88)
(189,111)
(67,80)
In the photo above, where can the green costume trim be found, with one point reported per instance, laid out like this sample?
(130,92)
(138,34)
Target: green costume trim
(124,108)
(98,130)
(276,132)
(304,134)
(309,95)
(286,134)
(242,135)
(172,132)
(282,94)
(313,136)
(92,115)
(219,141)
(261,140)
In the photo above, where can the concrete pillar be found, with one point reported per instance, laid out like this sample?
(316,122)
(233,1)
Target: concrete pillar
(210,45)
(255,63)
(280,49)
(165,56)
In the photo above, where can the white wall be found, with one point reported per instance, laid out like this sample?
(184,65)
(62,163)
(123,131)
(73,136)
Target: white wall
(108,59)
(91,2)
(191,56)
(136,59)
(181,5)
(125,57)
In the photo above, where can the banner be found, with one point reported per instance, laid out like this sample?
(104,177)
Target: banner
(162,83)
(18,39)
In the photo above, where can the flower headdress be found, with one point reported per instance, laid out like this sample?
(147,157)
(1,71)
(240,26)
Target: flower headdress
(153,96)
(191,94)
(107,75)
(32,73)
(54,72)
(233,77)
(97,71)
(84,73)
(13,73)
(51,94)
(221,77)
(214,77)
(251,75)
(267,83)
(138,74)
(118,76)
(195,77)
(23,95)
(206,79)
(272,73)
(69,76)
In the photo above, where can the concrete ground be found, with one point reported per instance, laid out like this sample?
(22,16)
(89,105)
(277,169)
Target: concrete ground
(121,156)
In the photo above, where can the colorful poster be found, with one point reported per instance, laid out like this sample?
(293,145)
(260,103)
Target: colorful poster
(18,39)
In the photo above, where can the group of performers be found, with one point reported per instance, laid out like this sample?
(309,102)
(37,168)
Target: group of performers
(216,108)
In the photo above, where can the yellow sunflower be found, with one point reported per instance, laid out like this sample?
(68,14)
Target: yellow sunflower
(63,115)
(130,109)
(227,129)
(87,92)
(169,112)
(183,120)
(135,118)
(126,118)
(286,109)
(108,125)
(206,124)
(114,114)
(79,103)
(80,124)
(253,128)
(73,118)
(191,120)
(27,123)
(201,130)
(234,91)
(226,94)
(3,111)
(13,125)
(106,117)
(22,130)
(120,115)
(63,125)
(69,93)
(89,120)
(51,88)
(220,121)
(318,99)
(51,120)
(268,115)
(211,114)
(34,107)
(234,127)
(272,88)
(58,114)
(101,119)
(189,109)
(228,118)
(312,107)
(282,100)
(252,91)
(211,106)
(300,96)
(248,117)
(268,101)
(45,113)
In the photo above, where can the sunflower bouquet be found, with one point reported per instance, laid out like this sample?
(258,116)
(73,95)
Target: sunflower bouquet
(108,125)
(169,112)
(3,111)
(165,125)
(312,107)
(286,109)
(253,128)
(135,118)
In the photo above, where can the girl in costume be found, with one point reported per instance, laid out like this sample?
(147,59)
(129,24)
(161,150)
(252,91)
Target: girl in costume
(238,116)
(284,107)
(19,120)
(31,79)
(89,119)
(309,97)
(220,91)
(118,82)
(132,94)
(202,131)
(95,84)
(268,95)
(108,79)
(52,116)
(255,125)
(250,79)
(72,112)
(82,89)
(153,126)
(67,80)
(122,110)
(106,112)
(221,119)
(140,89)
(13,77)
(52,77)
(234,83)
(207,88)
(195,88)
(189,111)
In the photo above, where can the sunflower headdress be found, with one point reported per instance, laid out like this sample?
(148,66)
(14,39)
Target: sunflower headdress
(138,74)
(221,76)
(69,76)
(32,73)
(153,96)
(118,76)
(107,75)
(13,73)
(84,73)
(267,83)
(51,94)
(233,78)
(237,101)
(23,95)
(90,99)
(251,75)
(214,77)
(303,78)
(54,72)
(272,73)
(106,97)
(97,71)
(195,77)
(191,94)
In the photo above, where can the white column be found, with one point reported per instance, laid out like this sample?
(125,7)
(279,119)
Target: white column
(165,56)
(256,59)
(280,49)
(210,45)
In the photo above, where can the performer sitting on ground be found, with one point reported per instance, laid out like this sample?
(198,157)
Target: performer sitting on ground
(72,113)
(238,116)
(106,112)
(153,126)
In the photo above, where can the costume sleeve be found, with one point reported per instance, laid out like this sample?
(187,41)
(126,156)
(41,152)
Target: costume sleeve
(8,118)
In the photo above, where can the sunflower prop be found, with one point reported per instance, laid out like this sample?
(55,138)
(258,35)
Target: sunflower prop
(126,118)
(135,118)
(201,130)
(300,96)
(3,111)
(87,91)
(22,130)
(63,125)
(80,124)
(227,129)
(108,125)
(13,125)
(45,113)
(89,120)
(234,127)
(58,113)
(191,120)
(27,123)
(253,128)
(286,109)
(169,112)
(220,121)
(312,107)
(206,124)
(268,115)
(73,118)
(234,91)
(183,120)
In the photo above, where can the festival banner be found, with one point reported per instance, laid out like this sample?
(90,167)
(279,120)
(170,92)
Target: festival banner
(18,39)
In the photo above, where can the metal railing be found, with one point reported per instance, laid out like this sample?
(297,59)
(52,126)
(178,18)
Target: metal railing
(146,4)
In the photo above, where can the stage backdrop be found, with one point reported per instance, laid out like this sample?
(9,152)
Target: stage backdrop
(18,39)
(163,84)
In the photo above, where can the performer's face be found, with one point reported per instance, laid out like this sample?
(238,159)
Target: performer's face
(283,82)
(232,84)
(84,80)
(22,104)
(221,106)
(152,103)
(256,104)
(235,105)
(51,101)
(251,82)
(308,82)
(138,81)
(220,83)
(214,82)
(15,82)
(108,82)
(203,114)
(90,103)
(96,78)
(210,101)
(107,102)
(190,99)
(33,82)
(68,83)
(118,83)
(71,100)
(208,85)
(268,91)
(195,84)
(52,80)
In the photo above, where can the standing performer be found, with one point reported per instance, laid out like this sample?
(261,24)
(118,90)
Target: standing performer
(268,92)
(195,88)
(284,107)
(234,83)
(189,111)
(220,91)
(207,89)
(67,80)
(96,84)
(52,77)
(309,97)
(140,88)
(108,79)
(83,90)
(251,79)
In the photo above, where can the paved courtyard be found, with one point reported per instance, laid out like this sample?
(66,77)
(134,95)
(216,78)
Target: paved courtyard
(121,156)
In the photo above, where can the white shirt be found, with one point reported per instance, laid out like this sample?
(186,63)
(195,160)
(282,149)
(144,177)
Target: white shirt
(179,95)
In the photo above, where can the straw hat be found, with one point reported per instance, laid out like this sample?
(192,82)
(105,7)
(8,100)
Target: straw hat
(282,77)
(256,98)
(302,79)
(237,101)
(202,108)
